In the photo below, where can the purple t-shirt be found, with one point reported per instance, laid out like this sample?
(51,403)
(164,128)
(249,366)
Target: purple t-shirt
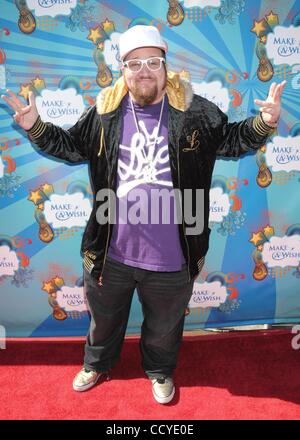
(146,233)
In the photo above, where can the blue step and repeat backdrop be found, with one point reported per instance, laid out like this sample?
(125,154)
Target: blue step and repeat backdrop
(66,51)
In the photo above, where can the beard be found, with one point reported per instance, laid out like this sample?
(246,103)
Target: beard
(144,94)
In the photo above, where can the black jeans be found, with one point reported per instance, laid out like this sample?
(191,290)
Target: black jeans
(164,297)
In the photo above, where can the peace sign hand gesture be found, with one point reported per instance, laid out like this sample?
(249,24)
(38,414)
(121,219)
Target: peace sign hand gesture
(25,115)
(271,107)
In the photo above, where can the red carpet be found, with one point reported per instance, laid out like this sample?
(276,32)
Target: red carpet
(223,376)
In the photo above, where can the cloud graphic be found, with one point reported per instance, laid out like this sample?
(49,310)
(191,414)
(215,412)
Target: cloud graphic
(283,45)
(213,91)
(62,107)
(71,299)
(219,205)
(1,168)
(51,7)
(283,153)
(9,262)
(111,51)
(208,295)
(67,210)
(282,251)
(201,3)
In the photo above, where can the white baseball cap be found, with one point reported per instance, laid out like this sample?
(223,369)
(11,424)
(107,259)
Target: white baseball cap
(140,36)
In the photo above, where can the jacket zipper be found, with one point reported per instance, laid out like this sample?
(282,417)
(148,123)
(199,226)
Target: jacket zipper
(184,234)
(100,281)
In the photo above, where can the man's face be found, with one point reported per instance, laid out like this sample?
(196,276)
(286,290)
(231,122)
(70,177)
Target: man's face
(146,86)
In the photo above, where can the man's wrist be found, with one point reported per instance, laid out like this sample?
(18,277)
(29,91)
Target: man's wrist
(261,127)
(268,124)
(37,129)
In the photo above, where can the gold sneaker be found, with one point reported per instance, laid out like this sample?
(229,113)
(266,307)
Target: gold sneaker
(85,379)
(163,389)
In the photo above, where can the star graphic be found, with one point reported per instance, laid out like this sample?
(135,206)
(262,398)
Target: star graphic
(95,34)
(39,83)
(259,27)
(108,26)
(272,19)
(35,197)
(257,238)
(25,89)
(47,188)
(100,46)
(268,231)
(59,282)
(48,287)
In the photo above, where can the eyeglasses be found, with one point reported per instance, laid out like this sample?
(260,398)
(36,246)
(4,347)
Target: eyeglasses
(153,63)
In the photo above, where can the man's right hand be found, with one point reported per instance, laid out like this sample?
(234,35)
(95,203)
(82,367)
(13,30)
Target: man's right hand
(25,115)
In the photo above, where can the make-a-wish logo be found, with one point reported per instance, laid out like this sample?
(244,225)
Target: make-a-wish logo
(225,210)
(273,251)
(215,92)
(67,210)
(51,7)
(219,205)
(208,294)
(65,300)
(14,262)
(111,51)
(284,45)
(62,107)
(282,251)
(71,299)
(9,262)
(283,153)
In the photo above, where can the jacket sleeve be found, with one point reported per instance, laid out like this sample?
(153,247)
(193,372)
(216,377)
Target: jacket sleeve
(71,145)
(236,138)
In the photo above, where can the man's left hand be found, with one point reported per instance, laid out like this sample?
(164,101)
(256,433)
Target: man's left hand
(271,107)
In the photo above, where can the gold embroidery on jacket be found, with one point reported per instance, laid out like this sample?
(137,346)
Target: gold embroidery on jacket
(193,141)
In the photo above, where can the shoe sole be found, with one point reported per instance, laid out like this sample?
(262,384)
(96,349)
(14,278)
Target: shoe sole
(164,399)
(88,386)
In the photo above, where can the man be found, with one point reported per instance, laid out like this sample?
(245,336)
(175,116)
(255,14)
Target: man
(149,131)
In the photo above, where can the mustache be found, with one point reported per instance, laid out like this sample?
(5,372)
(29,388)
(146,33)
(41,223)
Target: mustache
(145,77)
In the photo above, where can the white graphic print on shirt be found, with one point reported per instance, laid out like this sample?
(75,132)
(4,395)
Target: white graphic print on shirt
(145,161)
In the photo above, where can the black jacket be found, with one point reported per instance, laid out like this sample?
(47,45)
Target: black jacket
(198,132)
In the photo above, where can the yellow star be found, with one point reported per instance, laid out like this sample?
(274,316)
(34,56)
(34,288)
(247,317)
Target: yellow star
(268,231)
(100,46)
(47,188)
(256,238)
(272,19)
(48,287)
(259,27)
(95,34)
(25,89)
(39,83)
(59,282)
(35,197)
(108,26)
